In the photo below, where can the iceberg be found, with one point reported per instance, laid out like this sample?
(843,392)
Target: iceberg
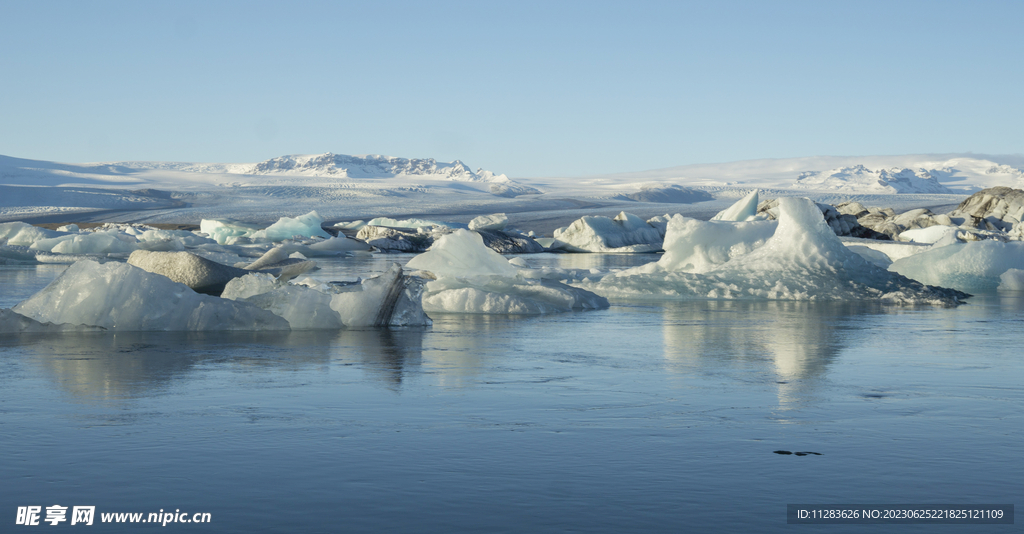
(23,234)
(744,209)
(230,231)
(625,233)
(697,246)
(307,225)
(975,266)
(206,276)
(389,239)
(90,243)
(118,296)
(802,260)
(495,222)
(224,230)
(471,278)
(412,223)
(391,299)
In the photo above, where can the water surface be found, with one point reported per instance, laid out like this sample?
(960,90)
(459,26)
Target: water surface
(655,417)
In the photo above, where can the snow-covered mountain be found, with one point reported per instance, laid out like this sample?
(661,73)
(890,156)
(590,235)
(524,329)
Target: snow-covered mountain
(376,166)
(368,166)
(958,173)
(860,179)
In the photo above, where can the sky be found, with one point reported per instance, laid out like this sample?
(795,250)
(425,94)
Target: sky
(529,89)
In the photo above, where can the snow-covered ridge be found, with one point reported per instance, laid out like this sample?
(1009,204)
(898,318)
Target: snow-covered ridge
(860,179)
(367,166)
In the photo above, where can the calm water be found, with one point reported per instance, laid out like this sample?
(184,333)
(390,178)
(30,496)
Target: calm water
(645,417)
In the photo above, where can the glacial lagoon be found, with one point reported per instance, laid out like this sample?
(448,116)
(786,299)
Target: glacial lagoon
(645,417)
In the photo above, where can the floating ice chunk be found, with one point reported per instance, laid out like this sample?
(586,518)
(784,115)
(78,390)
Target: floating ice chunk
(508,296)
(510,242)
(975,266)
(119,296)
(412,223)
(273,256)
(353,225)
(1012,280)
(24,234)
(92,243)
(336,245)
(186,238)
(697,246)
(498,221)
(929,235)
(391,299)
(307,225)
(462,254)
(400,240)
(472,278)
(625,233)
(745,209)
(803,260)
(221,230)
(69,228)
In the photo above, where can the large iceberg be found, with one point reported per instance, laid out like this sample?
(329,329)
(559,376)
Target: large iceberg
(118,296)
(802,260)
(624,233)
(471,278)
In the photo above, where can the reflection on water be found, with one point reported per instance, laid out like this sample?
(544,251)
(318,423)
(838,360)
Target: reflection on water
(796,341)
(640,417)
(386,355)
(106,366)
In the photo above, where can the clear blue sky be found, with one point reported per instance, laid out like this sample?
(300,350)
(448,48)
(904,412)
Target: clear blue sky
(528,89)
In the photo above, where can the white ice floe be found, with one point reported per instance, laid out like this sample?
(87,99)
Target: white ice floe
(471,278)
(625,233)
(307,225)
(929,235)
(412,223)
(802,260)
(974,266)
(226,230)
(87,243)
(118,296)
(497,221)
(462,254)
